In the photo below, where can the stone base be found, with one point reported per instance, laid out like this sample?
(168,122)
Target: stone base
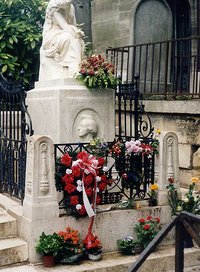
(57,108)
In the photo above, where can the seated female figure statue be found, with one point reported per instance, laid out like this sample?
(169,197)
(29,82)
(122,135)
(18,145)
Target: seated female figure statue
(62,46)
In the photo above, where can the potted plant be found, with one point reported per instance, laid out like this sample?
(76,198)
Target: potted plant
(129,246)
(146,229)
(48,246)
(93,247)
(153,194)
(73,249)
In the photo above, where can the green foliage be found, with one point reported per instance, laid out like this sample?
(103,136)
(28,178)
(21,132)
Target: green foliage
(190,202)
(21,24)
(49,244)
(147,229)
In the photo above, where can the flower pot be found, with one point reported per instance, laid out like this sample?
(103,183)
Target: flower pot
(75,259)
(138,249)
(48,261)
(153,202)
(128,251)
(95,257)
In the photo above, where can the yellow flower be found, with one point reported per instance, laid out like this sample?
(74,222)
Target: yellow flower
(154,187)
(195,179)
(158,131)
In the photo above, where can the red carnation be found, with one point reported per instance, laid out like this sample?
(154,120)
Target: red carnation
(103,178)
(76,171)
(102,186)
(146,227)
(157,220)
(141,220)
(82,211)
(83,156)
(74,200)
(68,178)
(88,180)
(149,217)
(70,188)
(66,159)
(88,191)
(101,161)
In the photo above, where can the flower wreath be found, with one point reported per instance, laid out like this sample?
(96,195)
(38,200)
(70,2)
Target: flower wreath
(82,180)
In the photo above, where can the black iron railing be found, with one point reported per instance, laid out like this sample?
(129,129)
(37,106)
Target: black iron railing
(184,224)
(165,67)
(15,124)
(131,119)
(138,168)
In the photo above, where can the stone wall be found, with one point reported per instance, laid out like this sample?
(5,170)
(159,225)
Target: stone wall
(113,22)
(183,118)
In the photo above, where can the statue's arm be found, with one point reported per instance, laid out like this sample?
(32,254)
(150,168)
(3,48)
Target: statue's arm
(62,22)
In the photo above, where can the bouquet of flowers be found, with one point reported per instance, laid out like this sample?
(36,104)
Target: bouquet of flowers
(82,180)
(73,249)
(96,72)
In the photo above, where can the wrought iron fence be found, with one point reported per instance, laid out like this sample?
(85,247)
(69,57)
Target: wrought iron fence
(139,170)
(131,119)
(165,68)
(15,124)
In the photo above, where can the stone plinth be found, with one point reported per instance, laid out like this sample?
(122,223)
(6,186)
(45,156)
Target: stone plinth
(63,108)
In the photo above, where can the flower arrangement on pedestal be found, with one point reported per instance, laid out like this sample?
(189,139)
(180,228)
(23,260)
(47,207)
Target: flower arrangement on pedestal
(97,72)
(82,180)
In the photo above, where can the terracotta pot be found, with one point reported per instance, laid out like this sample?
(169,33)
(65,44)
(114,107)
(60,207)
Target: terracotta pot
(48,261)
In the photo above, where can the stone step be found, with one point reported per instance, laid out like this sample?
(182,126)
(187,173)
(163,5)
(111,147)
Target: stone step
(160,261)
(13,250)
(8,225)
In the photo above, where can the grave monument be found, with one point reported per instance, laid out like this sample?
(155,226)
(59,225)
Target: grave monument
(59,105)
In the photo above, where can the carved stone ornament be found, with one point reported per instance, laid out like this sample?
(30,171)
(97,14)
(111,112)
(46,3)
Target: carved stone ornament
(44,183)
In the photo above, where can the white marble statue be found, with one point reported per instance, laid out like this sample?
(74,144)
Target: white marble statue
(62,46)
(87,128)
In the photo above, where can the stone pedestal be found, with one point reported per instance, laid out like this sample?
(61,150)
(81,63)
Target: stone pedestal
(65,109)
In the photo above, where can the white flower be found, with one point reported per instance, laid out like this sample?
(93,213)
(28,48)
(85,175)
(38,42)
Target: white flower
(86,171)
(68,171)
(186,200)
(179,208)
(105,168)
(75,162)
(98,178)
(78,206)
(79,182)
(79,188)
(97,190)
